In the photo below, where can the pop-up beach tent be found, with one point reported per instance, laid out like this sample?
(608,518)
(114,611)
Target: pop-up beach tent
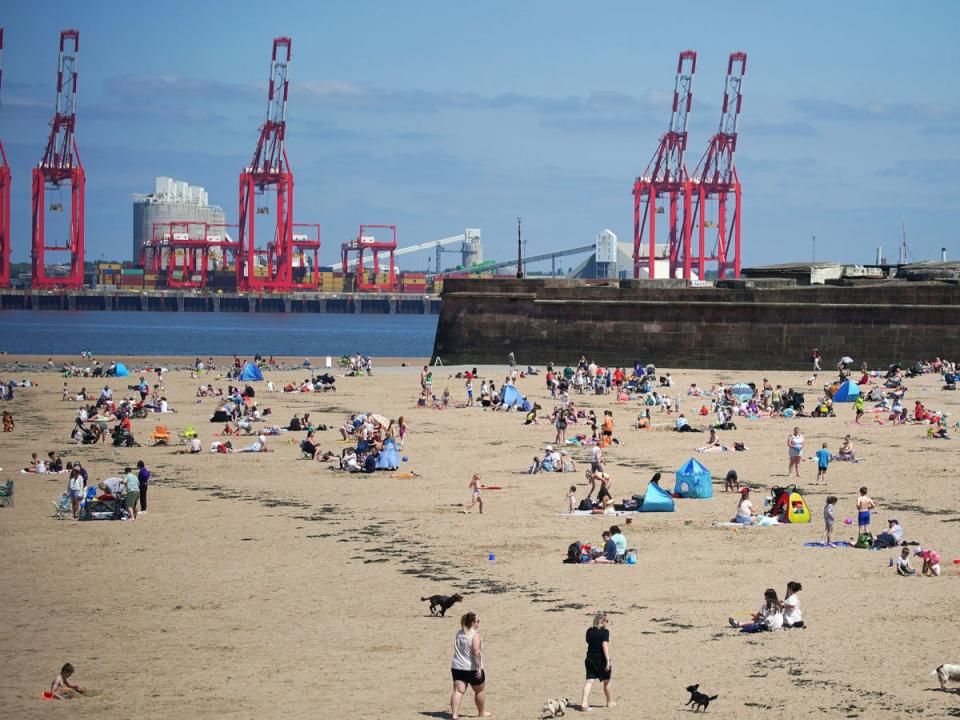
(250,372)
(848,392)
(742,391)
(511,397)
(693,481)
(122,370)
(657,500)
(389,458)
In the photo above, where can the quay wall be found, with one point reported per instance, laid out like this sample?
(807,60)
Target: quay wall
(743,325)
(174,301)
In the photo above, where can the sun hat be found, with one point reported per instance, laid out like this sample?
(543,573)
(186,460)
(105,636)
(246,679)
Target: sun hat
(744,491)
(917,550)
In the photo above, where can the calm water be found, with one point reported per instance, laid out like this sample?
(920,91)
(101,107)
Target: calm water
(149,333)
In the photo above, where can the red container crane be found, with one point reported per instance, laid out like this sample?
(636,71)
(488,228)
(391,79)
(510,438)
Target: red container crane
(60,167)
(716,177)
(4,199)
(362,243)
(666,178)
(270,171)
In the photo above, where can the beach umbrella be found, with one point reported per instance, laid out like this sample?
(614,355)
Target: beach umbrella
(846,360)
(742,391)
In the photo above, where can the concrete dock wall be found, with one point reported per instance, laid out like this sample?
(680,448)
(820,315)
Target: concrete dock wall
(741,327)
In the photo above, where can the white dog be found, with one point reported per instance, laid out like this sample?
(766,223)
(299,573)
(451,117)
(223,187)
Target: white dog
(947,672)
(554,708)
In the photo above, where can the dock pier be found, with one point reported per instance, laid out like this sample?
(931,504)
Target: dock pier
(186,301)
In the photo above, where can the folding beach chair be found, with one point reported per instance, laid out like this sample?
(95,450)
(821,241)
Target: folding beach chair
(6,494)
(160,435)
(187,435)
(61,507)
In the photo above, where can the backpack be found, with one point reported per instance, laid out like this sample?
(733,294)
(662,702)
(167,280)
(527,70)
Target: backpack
(585,504)
(864,541)
(573,553)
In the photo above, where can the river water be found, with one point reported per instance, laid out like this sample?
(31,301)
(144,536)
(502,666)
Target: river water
(152,333)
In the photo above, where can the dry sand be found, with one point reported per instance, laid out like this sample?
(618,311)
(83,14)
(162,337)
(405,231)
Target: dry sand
(267,586)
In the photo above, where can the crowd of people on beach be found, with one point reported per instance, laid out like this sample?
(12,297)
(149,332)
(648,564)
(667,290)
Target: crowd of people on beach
(368,437)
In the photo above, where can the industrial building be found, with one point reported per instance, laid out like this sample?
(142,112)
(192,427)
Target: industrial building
(171,200)
(613,260)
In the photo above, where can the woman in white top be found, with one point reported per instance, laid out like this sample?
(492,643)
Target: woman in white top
(794,450)
(744,514)
(768,617)
(467,666)
(792,617)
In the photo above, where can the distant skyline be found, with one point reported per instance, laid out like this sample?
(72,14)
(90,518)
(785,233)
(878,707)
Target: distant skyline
(441,116)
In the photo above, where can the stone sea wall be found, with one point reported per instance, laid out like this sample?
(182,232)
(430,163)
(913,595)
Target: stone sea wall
(664,322)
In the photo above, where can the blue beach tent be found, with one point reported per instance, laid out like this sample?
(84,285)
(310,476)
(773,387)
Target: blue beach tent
(122,370)
(742,391)
(657,500)
(510,396)
(250,372)
(389,458)
(848,392)
(693,481)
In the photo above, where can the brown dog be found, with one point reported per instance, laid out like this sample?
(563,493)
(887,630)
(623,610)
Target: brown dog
(439,604)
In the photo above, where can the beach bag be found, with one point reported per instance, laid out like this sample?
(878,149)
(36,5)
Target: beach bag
(864,541)
(585,504)
(573,553)
(101,510)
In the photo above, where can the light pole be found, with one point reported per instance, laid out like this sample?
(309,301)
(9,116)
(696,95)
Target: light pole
(519,249)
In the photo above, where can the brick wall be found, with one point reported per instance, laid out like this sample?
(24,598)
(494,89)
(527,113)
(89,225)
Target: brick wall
(743,327)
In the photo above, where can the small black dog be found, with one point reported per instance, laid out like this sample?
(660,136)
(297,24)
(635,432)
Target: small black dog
(699,699)
(439,604)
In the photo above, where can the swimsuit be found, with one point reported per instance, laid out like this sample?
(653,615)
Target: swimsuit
(863,517)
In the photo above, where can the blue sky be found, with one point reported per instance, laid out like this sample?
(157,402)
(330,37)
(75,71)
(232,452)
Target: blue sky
(438,116)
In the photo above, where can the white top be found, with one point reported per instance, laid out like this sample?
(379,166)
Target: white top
(791,610)
(76,483)
(745,509)
(796,442)
(596,454)
(774,618)
(462,652)
(195,445)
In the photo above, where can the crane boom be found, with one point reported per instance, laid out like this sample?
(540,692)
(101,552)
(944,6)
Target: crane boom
(410,249)
(59,153)
(270,157)
(4,199)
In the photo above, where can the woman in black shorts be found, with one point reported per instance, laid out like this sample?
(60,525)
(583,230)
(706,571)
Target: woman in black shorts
(598,660)
(467,666)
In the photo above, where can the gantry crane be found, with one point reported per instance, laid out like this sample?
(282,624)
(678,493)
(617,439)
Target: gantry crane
(60,166)
(716,176)
(666,178)
(271,267)
(4,199)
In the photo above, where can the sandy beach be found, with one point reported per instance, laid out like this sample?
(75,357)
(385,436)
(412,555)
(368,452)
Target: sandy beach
(263,585)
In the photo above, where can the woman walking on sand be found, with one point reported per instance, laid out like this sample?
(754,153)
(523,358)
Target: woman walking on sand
(598,660)
(467,666)
(794,450)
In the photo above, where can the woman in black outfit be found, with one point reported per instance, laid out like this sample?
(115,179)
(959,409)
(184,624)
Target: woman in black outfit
(598,660)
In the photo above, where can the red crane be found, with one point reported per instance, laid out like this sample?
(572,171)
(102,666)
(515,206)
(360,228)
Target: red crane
(369,242)
(270,171)
(716,177)
(60,166)
(4,199)
(666,177)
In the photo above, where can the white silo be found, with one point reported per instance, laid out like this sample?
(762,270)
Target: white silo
(172,200)
(472,248)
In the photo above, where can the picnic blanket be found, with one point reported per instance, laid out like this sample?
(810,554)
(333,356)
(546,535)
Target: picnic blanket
(839,543)
(587,513)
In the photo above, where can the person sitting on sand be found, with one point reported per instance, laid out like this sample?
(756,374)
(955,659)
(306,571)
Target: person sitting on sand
(566,462)
(713,443)
(846,450)
(768,617)
(745,510)
(61,688)
(37,465)
(903,564)
(8,423)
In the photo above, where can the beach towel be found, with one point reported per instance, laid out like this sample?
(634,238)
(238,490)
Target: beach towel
(840,543)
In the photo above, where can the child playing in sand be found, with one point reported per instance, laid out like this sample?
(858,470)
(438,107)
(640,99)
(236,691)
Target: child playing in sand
(474,486)
(572,503)
(823,462)
(903,563)
(61,687)
(731,482)
(828,520)
(864,506)
(8,423)
(931,561)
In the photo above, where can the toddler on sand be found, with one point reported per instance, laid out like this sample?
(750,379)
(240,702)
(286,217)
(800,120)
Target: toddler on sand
(61,687)
(828,520)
